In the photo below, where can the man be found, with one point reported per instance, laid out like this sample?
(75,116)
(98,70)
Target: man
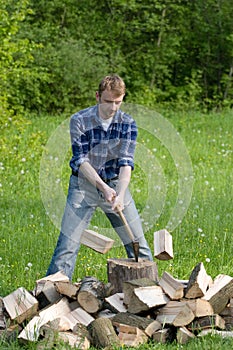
(103,142)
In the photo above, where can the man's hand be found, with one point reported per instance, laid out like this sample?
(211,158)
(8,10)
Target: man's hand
(118,203)
(109,194)
(111,197)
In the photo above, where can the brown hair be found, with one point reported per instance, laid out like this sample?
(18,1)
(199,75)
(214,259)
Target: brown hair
(112,82)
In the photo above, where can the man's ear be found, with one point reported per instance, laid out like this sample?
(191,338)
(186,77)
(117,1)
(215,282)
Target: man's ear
(97,96)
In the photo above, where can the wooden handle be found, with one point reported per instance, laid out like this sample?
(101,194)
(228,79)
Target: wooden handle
(131,236)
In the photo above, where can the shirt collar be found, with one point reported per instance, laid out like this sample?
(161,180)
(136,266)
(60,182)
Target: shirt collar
(117,117)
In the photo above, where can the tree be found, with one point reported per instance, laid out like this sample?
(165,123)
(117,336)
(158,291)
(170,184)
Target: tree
(15,57)
(167,51)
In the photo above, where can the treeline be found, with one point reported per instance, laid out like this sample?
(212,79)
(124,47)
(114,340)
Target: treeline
(176,52)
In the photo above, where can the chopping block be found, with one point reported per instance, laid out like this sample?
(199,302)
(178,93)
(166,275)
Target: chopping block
(123,270)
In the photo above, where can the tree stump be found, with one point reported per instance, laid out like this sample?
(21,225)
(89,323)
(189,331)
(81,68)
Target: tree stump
(91,294)
(122,270)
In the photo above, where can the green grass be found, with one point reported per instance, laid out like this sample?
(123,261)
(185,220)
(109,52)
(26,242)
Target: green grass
(28,235)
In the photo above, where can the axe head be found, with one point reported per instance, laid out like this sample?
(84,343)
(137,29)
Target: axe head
(136,250)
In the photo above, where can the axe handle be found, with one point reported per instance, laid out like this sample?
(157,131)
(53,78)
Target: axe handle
(128,229)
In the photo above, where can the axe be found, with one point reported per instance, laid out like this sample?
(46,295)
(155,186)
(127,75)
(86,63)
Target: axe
(130,234)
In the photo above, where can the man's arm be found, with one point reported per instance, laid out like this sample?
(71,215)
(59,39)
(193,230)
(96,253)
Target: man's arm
(124,180)
(91,175)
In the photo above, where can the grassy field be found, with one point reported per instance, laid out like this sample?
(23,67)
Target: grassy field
(202,187)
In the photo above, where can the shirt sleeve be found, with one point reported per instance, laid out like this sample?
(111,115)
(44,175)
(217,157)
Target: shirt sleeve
(79,143)
(128,144)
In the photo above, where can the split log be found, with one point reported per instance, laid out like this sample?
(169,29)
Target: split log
(153,327)
(32,330)
(74,340)
(70,320)
(173,288)
(227,315)
(103,334)
(62,307)
(81,330)
(228,322)
(67,289)
(220,292)
(2,316)
(91,294)
(146,298)
(63,323)
(10,333)
(45,288)
(175,313)
(106,313)
(228,310)
(116,302)
(200,307)
(163,249)
(198,282)
(131,336)
(130,319)
(73,305)
(184,282)
(47,294)
(184,335)
(164,335)
(20,305)
(223,334)
(51,335)
(96,241)
(129,286)
(214,321)
(56,277)
(81,316)
(121,270)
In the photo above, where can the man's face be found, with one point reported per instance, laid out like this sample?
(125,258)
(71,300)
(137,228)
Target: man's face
(109,103)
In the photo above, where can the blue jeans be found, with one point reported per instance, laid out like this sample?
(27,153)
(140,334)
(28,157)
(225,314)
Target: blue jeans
(82,200)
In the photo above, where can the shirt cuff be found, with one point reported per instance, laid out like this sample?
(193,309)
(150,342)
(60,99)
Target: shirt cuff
(125,162)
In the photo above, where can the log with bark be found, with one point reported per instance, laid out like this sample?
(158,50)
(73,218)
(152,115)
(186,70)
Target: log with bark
(198,282)
(220,292)
(130,319)
(68,289)
(214,321)
(91,294)
(103,334)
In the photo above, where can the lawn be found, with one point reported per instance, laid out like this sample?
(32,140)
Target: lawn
(182,181)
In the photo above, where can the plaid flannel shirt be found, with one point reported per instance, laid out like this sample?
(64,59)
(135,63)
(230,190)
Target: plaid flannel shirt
(107,150)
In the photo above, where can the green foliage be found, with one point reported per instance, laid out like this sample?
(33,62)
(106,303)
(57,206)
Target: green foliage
(15,62)
(169,52)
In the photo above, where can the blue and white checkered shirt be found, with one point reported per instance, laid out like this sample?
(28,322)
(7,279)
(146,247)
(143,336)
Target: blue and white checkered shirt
(106,150)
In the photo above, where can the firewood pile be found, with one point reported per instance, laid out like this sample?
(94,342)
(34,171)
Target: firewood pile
(135,306)
(91,313)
